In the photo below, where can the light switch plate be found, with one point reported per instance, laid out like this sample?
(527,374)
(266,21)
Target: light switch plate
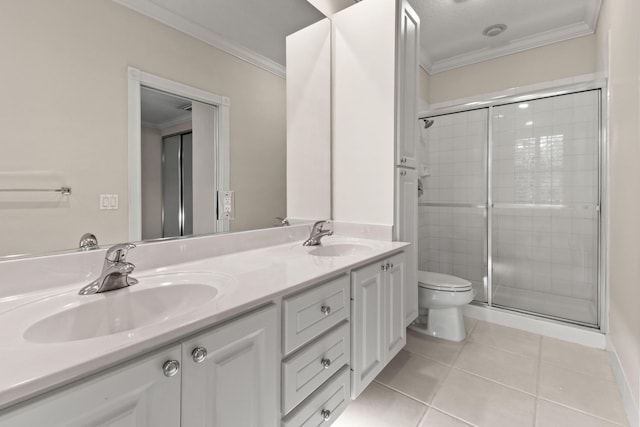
(108,201)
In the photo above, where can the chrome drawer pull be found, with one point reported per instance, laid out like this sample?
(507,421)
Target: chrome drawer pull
(326,414)
(170,368)
(325,309)
(199,354)
(326,362)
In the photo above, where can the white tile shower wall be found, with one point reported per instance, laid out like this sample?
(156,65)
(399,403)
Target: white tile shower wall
(453,150)
(452,239)
(546,152)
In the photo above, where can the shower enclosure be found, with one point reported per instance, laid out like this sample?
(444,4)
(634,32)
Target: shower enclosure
(512,203)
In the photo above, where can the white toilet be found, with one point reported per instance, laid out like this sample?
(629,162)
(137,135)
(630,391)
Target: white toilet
(441,297)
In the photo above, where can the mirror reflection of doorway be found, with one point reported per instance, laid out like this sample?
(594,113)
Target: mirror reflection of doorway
(177,185)
(178,165)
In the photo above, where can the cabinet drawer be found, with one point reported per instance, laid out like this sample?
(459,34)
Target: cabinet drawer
(310,313)
(313,365)
(324,405)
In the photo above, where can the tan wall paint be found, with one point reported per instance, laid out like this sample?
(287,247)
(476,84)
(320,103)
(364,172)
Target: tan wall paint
(66,119)
(619,19)
(557,61)
(423,85)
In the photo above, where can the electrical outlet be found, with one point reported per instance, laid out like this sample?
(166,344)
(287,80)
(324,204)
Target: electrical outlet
(226,205)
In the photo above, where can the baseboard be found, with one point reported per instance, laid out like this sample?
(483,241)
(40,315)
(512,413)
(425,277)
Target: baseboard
(549,328)
(630,405)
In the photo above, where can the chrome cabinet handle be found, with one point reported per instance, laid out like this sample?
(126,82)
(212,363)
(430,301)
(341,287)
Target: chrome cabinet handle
(199,354)
(170,368)
(325,309)
(383,267)
(326,362)
(326,414)
(403,160)
(389,266)
(403,173)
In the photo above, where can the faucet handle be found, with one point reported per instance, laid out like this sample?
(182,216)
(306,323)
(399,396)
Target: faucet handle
(283,221)
(317,226)
(118,253)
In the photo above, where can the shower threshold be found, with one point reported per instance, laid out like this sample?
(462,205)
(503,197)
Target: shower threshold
(558,307)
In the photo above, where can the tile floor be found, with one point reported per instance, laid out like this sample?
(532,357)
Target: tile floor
(497,377)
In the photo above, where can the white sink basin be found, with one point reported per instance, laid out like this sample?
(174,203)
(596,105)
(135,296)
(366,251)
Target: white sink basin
(154,300)
(341,249)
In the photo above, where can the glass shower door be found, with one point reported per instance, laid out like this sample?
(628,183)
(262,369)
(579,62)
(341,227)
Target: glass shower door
(452,210)
(544,206)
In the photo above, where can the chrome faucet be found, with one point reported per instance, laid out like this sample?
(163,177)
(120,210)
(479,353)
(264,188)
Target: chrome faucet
(115,271)
(284,222)
(317,233)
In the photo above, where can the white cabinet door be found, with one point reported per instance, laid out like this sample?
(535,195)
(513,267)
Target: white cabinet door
(367,319)
(408,41)
(395,282)
(407,231)
(236,383)
(135,395)
(378,329)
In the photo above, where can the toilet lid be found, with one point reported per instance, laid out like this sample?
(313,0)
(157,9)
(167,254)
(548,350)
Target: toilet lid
(442,282)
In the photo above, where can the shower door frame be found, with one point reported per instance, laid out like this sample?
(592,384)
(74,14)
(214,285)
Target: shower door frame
(602,202)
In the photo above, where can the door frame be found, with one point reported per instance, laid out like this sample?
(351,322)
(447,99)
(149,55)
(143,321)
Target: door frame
(137,79)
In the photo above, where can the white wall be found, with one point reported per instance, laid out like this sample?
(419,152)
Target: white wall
(553,62)
(309,122)
(619,22)
(204,176)
(363,113)
(66,79)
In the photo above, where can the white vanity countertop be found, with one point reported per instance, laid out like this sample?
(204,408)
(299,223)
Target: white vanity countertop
(246,280)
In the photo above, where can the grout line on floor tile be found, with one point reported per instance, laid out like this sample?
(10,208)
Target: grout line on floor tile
(424,356)
(535,412)
(455,416)
(469,332)
(583,412)
(568,368)
(504,349)
(439,386)
(494,381)
(424,415)
(402,393)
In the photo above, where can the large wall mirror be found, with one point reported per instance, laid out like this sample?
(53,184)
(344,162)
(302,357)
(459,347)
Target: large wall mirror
(66,117)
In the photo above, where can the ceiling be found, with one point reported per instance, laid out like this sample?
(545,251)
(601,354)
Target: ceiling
(451,30)
(162,110)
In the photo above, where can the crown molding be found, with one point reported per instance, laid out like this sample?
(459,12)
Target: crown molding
(155,12)
(539,40)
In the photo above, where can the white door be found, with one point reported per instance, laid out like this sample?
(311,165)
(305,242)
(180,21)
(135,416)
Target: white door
(135,395)
(367,312)
(408,41)
(407,231)
(395,282)
(236,383)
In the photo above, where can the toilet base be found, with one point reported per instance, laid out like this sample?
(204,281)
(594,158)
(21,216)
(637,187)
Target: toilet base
(443,323)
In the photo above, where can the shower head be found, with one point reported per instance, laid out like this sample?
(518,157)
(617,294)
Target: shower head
(428,123)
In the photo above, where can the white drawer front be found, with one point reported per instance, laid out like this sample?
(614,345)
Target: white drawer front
(325,405)
(312,366)
(310,313)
